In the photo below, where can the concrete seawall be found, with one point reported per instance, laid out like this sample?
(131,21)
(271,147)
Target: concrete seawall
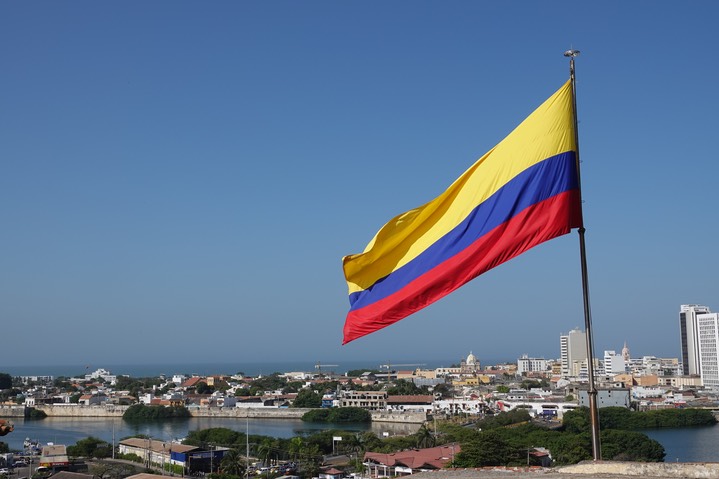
(76,410)
(12,411)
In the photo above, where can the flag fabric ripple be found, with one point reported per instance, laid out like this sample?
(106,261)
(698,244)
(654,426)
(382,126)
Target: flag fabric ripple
(523,192)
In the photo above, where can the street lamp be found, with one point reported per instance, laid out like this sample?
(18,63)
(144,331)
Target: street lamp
(212,458)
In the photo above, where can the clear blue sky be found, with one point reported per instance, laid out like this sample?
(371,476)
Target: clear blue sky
(180,180)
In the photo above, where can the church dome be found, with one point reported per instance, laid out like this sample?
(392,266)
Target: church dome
(471,359)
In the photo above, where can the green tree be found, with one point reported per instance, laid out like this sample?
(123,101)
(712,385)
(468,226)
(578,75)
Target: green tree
(488,449)
(233,463)
(143,412)
(424,437)
(630,446)
(295,446)
(443,389)
(402,387)
(307,398)
(310,460)
(220,436)
(203,388)
(292,387)
(90,447)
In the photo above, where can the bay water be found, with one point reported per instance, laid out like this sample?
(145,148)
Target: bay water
(69,430)
(691,444)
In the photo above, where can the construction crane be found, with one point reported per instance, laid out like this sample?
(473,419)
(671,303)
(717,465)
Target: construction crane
(318,366)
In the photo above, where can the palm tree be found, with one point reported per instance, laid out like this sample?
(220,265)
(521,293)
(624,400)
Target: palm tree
(310,459)
(233,463)
(264,451)
(424,437)
(353,443)
(296,445)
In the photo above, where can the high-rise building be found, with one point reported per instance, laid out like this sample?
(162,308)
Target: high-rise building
(689,336)
(708,328)
(614,363)
(573,351)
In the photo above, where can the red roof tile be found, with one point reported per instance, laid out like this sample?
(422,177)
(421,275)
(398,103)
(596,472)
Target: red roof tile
(433,457)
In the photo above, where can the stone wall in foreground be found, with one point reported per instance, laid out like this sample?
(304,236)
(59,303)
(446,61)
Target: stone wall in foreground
(698,470)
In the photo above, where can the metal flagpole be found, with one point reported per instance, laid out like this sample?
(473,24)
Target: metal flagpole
(592,392)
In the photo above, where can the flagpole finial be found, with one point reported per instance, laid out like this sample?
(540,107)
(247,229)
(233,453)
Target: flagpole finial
(571,53)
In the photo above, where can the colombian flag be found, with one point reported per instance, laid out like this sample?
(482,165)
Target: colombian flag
(523,192)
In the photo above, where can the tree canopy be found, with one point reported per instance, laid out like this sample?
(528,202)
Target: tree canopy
(143,412)
(307,398)
(338,415)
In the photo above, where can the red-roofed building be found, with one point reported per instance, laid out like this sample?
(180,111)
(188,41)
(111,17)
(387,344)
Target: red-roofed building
(411,461)
(331,473)
(192,382)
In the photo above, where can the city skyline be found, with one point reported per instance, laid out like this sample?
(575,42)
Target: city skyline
(181,181)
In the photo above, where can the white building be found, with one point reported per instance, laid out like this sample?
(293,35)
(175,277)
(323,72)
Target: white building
(689,336)
(614,363)
(102,373)
(526,364)
(573,349)
(708,332)
(619,397)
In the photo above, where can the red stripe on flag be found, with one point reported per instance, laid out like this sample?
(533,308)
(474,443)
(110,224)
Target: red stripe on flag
(535,225)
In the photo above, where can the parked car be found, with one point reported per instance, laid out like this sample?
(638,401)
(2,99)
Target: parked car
(4,471)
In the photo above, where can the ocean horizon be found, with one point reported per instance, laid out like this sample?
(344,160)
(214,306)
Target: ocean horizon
(226,368)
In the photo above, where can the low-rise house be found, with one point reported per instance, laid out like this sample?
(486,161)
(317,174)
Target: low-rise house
(411,461)
(331,473)
(165,452)
(191,383)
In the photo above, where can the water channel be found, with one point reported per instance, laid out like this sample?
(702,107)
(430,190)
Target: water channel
(693,444)
(69,430)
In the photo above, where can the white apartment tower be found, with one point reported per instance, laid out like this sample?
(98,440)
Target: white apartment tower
(708,327)
(689,336)
(573,349)
(614,363)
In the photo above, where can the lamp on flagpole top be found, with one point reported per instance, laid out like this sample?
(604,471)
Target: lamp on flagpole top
(571,54)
